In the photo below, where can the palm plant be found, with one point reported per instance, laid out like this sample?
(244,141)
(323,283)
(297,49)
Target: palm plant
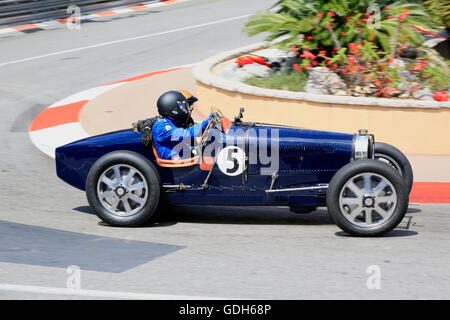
(320,24)
(440,9)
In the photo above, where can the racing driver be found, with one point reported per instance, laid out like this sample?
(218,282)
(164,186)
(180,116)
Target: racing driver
(173,126)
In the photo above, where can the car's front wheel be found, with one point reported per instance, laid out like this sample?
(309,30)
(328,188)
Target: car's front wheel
(367,198)
(123,188)
(397,160)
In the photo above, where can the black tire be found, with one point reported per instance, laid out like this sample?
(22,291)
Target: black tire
(152,193)
(378,170)
(302,209)
(397,160)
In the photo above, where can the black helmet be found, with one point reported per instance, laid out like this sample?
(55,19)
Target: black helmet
(174,105)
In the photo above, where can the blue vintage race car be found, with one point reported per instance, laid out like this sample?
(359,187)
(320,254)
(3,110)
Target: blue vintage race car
(364,184)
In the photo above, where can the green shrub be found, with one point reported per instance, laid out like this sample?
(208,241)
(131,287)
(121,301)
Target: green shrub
(360,40)
(440,10)
(288,80)
(323,23)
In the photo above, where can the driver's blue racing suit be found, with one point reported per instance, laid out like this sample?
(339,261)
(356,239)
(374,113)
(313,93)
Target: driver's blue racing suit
(166,135)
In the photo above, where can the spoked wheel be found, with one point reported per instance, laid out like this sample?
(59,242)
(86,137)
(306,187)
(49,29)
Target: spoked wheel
(367,198)
(123,188)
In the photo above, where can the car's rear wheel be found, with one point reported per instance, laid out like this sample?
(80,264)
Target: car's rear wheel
(367,198)
(397,160)
(123,188)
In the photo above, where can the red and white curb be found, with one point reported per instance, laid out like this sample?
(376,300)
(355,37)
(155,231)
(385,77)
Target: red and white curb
(60,124)
(108,13)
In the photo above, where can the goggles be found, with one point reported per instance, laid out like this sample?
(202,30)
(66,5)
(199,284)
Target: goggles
(185,106)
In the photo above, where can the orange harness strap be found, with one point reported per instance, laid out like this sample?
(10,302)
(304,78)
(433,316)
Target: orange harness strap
(174,163)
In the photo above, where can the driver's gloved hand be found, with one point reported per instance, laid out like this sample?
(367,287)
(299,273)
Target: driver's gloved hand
(205,122)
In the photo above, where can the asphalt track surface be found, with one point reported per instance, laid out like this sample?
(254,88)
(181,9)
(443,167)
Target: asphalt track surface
(256,253)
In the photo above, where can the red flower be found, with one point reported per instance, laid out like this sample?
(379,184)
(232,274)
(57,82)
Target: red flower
(308,55)
(440,96)
(343,34)
(297,68)
(309,37)
(359,67)
(320,15)
(331,14)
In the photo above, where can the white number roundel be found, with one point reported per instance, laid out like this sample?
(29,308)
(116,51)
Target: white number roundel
(231,161)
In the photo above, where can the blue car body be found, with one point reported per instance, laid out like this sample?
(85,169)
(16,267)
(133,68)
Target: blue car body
(306,158)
